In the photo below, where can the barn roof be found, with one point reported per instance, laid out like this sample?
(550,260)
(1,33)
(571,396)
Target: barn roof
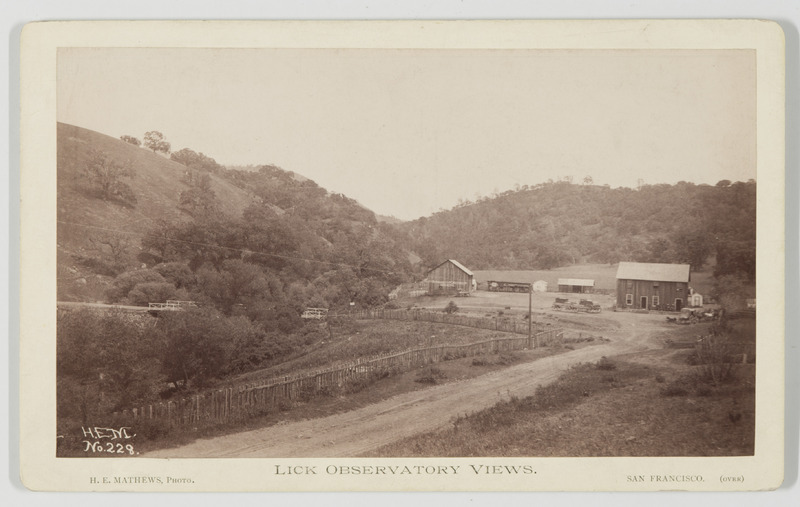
(576,281)
(458,265)
(653,271)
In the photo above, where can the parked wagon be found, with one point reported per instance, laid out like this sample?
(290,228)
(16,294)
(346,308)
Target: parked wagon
(693,316)
(584,305)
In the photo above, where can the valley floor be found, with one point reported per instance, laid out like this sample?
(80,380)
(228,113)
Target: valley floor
(366,429)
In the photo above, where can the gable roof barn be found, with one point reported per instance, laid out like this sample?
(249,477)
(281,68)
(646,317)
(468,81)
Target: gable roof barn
(653,271)
(456,264)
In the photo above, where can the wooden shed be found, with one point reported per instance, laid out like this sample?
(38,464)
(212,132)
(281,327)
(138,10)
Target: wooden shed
(450,277)
(576,285)
(652,286)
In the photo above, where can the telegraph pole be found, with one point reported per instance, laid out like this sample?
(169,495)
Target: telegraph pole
(530,315)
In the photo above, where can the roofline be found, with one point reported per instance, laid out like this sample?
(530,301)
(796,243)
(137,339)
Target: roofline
(457,264)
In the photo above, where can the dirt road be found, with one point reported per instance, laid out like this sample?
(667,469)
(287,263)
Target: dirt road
(353,433)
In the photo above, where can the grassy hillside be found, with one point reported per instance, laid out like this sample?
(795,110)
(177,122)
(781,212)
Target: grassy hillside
(157,183)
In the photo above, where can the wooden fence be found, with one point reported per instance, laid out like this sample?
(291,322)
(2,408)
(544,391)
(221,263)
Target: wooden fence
(246,400)
(507,325)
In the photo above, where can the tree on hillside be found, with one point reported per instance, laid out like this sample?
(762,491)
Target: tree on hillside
(736,257)
(199,200)
(115,246)
(195,161)
(155,141)
(131,140)
(105,176)
(693,245)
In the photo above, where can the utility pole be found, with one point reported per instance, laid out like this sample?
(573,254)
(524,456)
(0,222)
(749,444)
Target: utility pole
(530,315)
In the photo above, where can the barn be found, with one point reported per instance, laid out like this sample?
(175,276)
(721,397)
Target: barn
(575,285)
(450,277)
(652,286)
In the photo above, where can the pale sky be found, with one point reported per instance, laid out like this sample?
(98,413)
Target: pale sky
(407,132)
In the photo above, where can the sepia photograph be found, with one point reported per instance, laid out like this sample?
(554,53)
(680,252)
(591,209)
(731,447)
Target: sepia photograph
(364,260)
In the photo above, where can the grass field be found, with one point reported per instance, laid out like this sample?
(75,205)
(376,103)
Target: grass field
(347,340)
(611,408)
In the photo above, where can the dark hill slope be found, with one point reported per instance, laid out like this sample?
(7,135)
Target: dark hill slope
(558,224)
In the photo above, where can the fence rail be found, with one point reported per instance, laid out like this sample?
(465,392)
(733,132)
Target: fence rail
(249,399)
(490,323)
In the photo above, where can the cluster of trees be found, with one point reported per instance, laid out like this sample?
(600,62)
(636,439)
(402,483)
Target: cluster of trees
(106,178)
(115,361)
(153,140)
(560,223)
(196,161)
(294,246)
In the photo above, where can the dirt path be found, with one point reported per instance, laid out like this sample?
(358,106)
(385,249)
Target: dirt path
(353,433)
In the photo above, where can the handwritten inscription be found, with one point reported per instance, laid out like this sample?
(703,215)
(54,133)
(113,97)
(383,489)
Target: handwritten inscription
(108,447)
(105,440)
(98,433)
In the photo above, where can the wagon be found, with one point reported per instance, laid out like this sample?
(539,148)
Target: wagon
(584,305)
(587,305)
(687,316)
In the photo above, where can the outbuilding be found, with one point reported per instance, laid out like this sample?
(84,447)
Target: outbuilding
(652,286)
(450,277)
(575,285)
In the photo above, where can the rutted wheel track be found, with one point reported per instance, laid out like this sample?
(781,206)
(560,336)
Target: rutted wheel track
(353,433)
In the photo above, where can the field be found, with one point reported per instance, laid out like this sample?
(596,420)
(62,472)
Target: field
(638,389)
(346,340)
(649,405)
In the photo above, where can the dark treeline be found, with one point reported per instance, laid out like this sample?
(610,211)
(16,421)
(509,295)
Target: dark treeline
(295,245)
(560,223)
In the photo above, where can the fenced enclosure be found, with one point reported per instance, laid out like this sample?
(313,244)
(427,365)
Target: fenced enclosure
(490,323)
(240,402)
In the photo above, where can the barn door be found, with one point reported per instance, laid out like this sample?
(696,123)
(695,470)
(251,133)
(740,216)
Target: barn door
(643,302)
(678,304)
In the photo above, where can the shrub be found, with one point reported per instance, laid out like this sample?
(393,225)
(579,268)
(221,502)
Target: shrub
(451,308)
(152,292)
(703,390)
(507,358)
(605,364)
(480,361)
(714,359)
(430,375)
(125,282)
(676,388)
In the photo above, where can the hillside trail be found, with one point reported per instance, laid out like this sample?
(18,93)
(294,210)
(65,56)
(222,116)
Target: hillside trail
(358,431)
